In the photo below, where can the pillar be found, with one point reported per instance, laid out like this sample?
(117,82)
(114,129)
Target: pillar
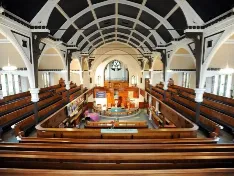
(36,40)
(35,98)
(68,76)
(199,99)
(197,37)
(165,74)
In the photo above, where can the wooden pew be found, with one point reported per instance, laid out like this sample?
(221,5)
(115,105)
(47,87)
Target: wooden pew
(71,91)
(16,96)
(60,90)
(23,126)
(216,116)
(11,118)
(225,100)
(211,127)
(121,148)
(133,124)
(7,108)
(154,93)
(173,160)
(175,172)
(229,110)
(180,88)
(119,141)
(50,88)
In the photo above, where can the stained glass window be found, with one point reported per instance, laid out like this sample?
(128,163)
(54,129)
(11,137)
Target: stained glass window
(116,65)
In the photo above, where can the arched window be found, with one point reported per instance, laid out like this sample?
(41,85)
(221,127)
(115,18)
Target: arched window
(133,80)
(116,65)
(99,80)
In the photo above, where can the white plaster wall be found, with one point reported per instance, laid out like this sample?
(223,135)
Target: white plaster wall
(55,77)
(24,83)
(75,78)
(177,77)
(208,84)
(192,80)
(40,81)
(157,77)
(86,79)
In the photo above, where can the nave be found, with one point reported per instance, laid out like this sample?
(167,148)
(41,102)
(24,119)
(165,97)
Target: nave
(117,87)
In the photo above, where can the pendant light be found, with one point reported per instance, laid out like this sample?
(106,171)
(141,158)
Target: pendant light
(9,67)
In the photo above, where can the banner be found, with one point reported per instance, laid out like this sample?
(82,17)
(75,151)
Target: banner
(101,94)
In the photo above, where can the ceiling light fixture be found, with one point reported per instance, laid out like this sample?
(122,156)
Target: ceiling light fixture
(9,67)
(226,70)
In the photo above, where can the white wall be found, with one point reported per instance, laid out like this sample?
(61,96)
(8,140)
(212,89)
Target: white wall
(157,77)
(75,78)
(209,84)
(86,80)
(55,77)
(24,84)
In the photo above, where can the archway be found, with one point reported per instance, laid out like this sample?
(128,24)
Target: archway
(51,67)
(17,81)
(115,71)
(76,72)
(221,82)
(157,68)
(182,68)
(100,64)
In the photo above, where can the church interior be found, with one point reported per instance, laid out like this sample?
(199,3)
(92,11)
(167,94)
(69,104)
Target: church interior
(117,87)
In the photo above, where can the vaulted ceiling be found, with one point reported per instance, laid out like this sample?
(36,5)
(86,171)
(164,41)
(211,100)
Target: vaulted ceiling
(143,24)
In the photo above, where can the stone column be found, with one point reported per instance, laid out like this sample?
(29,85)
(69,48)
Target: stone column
(199,99)
(35,98)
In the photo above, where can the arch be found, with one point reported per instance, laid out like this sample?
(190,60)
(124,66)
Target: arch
(131,63)
(113,26)
(85,65)
(119,72)
(146,66)
(9,36)
(121,41)
(133,4)
(57,60)
(75,65)
(226,35)
(157,64)
(134,50)
(113,33)
(182,58)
